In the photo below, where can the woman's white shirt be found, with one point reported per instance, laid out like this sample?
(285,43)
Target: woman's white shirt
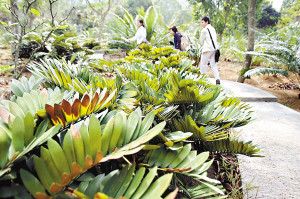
(206,40)
(140,35)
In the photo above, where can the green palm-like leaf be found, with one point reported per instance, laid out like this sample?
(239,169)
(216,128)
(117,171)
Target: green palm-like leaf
(63,74)
(233,146)
(206,190)
(187,91)
(34,102)
(178,161)
(128,184)
(22,138)
(265,71)
(199,133)
(18,88)
(84,148)
(231,113)
(150,21)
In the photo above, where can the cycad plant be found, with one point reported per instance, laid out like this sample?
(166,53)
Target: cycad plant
(195,50)
(126,27)
(198,106)
(140,135)
(235,48)
(280,48)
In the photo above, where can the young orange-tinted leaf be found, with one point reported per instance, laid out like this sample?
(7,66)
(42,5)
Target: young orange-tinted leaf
(50,112)
(84,105)
(55,188)
(42,196)
(108,100)
(76,170)
(98,158)
(104,94)
(67,111)
(45,92)
(59,114)
(4,114)
(75,109)
(88,163)
(93,103)
(75,132)
(65,179)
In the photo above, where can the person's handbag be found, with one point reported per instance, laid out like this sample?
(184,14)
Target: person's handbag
(184,42)
(217,54)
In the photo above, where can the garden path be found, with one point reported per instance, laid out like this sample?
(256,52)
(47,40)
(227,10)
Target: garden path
(276,131)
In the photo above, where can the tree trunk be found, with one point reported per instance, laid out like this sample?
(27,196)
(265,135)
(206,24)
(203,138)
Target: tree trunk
(226,17)
(32,17)
(101,14)
(101,28)
(14,5)
(250,47)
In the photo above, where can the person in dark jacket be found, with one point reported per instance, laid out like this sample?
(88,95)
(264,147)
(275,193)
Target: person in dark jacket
(177,38)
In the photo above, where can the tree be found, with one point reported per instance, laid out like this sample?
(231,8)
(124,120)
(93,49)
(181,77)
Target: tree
(168,9)
(226,15)
(219,12)
(183,16)
(133,5)
(100,12)
(250,47)
(269,17)
(288,3)
(14,6)
(290,12)
(22,19)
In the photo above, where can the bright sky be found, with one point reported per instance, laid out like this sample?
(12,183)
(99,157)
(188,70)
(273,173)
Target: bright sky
(276,4)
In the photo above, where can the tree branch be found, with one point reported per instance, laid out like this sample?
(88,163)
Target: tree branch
(13,12)
(35,27)
(29,5)
(46,39)
(109,5)
(6,28)
(67,15)
(89,4)
(51,12)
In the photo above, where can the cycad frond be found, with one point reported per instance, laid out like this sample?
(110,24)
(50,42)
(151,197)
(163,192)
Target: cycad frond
(82,149)
(176,161)
(265,71)
(18,88)
(127,183)
(233,146)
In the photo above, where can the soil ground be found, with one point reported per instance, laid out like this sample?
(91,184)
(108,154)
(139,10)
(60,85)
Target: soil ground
(229,71)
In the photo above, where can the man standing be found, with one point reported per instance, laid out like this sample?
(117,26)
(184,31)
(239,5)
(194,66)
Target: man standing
(208,39)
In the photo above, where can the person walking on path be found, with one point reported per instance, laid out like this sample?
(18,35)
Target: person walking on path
(177,38)
(208,33)
(140,35)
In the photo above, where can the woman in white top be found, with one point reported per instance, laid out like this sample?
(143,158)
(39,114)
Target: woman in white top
(208,51)
(140,35)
